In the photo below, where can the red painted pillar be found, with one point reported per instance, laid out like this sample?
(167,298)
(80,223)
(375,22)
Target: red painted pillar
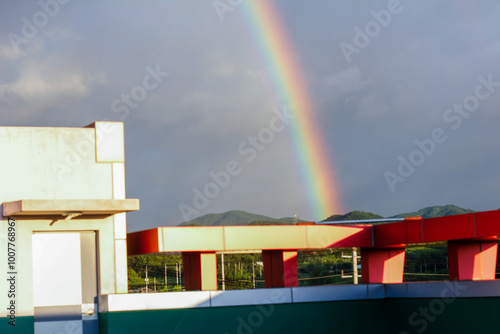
(200,270)
(472,259)
(280,268)
(382,265)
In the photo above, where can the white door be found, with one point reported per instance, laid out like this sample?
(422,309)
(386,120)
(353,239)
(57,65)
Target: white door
(65,282)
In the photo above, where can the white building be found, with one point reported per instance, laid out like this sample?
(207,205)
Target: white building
(62,226)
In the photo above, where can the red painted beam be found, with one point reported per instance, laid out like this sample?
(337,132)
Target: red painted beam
(143,242)
(414,231)
(244,238)
(487,223)
(397,234)
(200,271)
(385,235)
(457,227)
(472,259)
(280,268)
(449,228)
(382,265)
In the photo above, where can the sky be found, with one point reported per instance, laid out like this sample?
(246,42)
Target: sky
(406,95)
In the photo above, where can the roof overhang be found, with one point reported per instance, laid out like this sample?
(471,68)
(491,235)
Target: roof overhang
(64,207)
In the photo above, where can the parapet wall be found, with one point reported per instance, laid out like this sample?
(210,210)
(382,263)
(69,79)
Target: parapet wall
(430,307)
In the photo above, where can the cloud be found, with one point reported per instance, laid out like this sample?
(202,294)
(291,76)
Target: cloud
(371,108)
(39,88)
(34,86)
(345,81)
(9,53)
(221,90)
(57,33)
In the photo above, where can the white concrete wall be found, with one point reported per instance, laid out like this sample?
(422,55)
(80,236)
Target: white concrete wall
(52,163)
(313,294)
(62,163)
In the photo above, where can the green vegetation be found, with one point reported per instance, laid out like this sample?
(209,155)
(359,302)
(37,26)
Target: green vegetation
(270,222)
(436,211)
(426,263)
(354,215)
(242,271)
(324,267)
(245,271)
(156,265)
(234,217)
(237,217)
(291,220)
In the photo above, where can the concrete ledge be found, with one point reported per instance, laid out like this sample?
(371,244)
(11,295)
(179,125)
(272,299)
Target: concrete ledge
(36,207)
(230,298)
(444,289)
(329,293)
(155,301)
(251,297)
(477,288)
(376,291)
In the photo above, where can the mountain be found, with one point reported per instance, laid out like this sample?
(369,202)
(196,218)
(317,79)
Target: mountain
(234,217)
(354,215)
(237,217)
(436,211)
(291,220)
(282,221)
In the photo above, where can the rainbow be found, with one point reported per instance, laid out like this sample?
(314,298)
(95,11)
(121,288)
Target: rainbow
(313,156)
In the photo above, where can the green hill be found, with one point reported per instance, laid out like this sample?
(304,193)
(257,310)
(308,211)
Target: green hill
(237,217)
(282,221)
(354,215)
(234,217)
(291,220)
(269,222)
(436,211)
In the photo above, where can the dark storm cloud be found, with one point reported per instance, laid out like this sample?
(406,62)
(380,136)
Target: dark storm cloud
(413,62)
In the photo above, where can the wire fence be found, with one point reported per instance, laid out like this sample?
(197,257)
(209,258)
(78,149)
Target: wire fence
(325,268)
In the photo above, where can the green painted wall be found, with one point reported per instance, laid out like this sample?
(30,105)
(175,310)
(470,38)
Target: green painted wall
(429,316)
(327,317)
(23,325)
(393,316)
(386,316)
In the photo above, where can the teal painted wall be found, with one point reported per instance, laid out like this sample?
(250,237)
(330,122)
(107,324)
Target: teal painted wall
(393,316)
(384,316)
(432,316)
(365,316)
(23,325)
